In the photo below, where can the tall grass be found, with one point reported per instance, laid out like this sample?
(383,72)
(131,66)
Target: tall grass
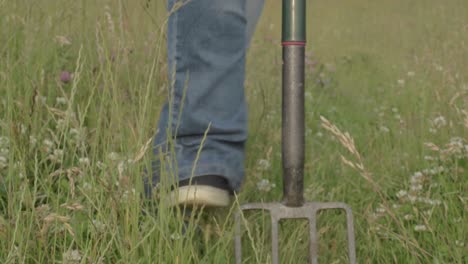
(82,83)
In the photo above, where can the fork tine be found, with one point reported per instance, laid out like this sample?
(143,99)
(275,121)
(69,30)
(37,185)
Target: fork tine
(274,240)
(351,239)
(313,242)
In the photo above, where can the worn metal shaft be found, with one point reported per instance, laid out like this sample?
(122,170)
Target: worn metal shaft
(293,125)
(293,41)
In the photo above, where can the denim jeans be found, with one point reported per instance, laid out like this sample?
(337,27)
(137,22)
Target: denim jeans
(206,112)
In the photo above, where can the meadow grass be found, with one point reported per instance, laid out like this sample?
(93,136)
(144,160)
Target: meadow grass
(82,84)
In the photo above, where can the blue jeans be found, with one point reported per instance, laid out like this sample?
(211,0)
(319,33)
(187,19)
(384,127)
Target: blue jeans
(203,127)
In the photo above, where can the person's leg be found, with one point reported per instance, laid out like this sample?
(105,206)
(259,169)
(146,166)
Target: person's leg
(206,59)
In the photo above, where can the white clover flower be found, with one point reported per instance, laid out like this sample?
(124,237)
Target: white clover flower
(101,165)
(3,162)
(87,186)
(394,110)
(61,124)
(432,130)
(401,82)
(23,129)
(438,67)
(459,243)
(380,210)
(61,100)
(263,164)
(417,187)
(412,198)
(265,185)
(100,227)
(408,217)
(411,74)
(439,122)
(420,228)
(416,177)
(72,257)
(175,236)
(430,158)
(384,129)
(401,193)
(84,161)
(56,156)
(32,140)
(40,99)
(48,145)
(113,156)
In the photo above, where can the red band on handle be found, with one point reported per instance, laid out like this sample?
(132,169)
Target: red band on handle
(293,43)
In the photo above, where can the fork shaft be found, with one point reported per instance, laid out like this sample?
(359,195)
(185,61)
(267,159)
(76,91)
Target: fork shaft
(293,41)
(293,124)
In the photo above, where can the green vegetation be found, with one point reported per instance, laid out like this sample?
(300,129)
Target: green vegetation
(82,83)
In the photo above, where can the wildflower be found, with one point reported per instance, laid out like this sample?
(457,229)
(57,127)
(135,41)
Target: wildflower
(265,185)
(72,257)
(56,156)
(32,140)
(61,100)
(101,165)
(175,236)
(263,164)
(113,156)
(87,186)
(394,110)
(429,158)
(412,198)
(48,145)
(411,74)
(100,227)
(439,122)
(420,228)
(401,194)
(459,243)
(380,210)
(62,40)
(40,99)
(401,82)
(408,216)
(3,162)
(417,187)
(384,129)
(66,76)
(84,161)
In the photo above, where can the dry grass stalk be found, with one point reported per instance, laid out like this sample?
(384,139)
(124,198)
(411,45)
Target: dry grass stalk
(347,142)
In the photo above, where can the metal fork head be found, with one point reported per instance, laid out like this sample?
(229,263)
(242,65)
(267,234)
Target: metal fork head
(279,211)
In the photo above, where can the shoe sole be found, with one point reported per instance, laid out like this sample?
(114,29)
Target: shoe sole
(200,195)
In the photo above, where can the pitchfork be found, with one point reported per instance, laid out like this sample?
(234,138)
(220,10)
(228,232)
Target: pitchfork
(293,205)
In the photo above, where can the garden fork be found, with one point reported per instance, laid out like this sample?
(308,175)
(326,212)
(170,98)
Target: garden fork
(293,205)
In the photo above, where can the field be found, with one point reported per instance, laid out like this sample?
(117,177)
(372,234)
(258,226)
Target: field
(82,84)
